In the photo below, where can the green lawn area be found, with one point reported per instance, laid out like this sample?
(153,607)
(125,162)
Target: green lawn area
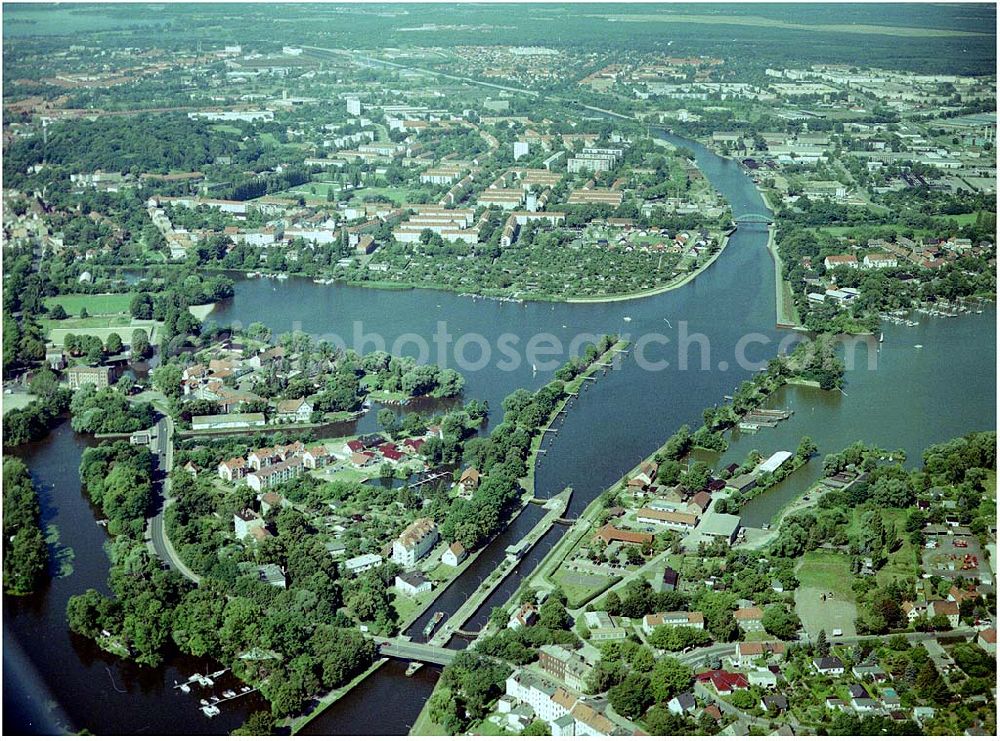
(397,195)
(268,138)
(824,600)
(348,474)
(991,487)
(580,587)
(489,728)
(57,331)
(407,608)
(321,187)
(962,219)
(830,572)
(95,303)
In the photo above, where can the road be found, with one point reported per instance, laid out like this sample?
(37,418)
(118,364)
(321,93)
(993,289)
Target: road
(156,532)
(398,648)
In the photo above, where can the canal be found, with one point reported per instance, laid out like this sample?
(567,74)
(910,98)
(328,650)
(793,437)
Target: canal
(915,397)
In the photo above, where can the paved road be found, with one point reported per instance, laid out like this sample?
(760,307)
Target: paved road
(163,447)
(404,649)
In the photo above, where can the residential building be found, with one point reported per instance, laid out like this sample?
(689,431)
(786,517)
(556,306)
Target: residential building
(611,534)
(233,469)
(245,522)
(454,554)
(673,619)
(293,410)
(316,457)
(840,261)
(673,520)
(565,665)
(414,542)
(987,640)
(270,476)
(99,376)
(750,619)
(412,583)
(724,682)
(944,607)
(683,703)
(830,665)
(747,652)
(362,563)
(523,617)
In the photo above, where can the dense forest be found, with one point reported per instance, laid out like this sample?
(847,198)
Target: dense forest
(25,556)
(126,144)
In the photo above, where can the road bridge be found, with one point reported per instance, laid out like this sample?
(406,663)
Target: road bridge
(401,648)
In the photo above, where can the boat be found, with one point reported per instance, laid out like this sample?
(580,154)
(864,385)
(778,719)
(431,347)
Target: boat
(413,667)
(245,688)
(214,699)
(229,694)
(628,319)
(534,369)
(432,624)
(184,688)
(881,337)
(918,346)
(210,711)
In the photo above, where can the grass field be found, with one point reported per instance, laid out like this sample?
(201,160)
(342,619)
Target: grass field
(825,574)
(580,587)
(57,333)
(396,195)
(94,303)
(16,401)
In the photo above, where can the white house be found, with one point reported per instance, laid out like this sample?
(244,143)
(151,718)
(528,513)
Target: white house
(414,542)
(412,583)
(293,410)
(454,554)
(362,563)
(245,522)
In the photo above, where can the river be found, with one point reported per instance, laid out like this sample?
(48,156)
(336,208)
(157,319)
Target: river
(914,398)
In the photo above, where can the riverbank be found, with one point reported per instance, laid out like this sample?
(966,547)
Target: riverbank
(201,311)
(786,313)
(297,724)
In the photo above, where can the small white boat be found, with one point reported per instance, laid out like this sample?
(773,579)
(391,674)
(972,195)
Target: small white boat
(210,711)
(918,346)
(628,319)
(184,688)
(229,694)
(881,337)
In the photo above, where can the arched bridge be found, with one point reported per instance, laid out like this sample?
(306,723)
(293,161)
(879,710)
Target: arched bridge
(753,219)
